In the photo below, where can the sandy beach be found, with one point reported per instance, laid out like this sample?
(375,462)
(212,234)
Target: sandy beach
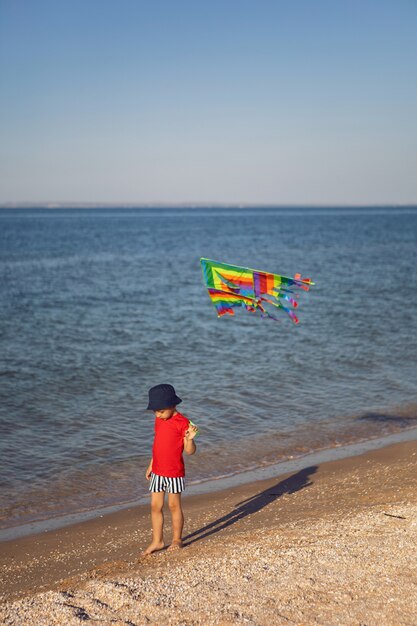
(330,544)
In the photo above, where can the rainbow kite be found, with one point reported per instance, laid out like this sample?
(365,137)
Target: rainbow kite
(231,286)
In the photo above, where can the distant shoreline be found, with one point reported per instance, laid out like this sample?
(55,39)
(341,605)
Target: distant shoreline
(203,205)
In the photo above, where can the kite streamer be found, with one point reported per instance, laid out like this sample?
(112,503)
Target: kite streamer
(231,286)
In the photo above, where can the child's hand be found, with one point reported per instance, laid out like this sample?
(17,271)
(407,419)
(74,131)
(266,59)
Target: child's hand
(191,432)
(148,473)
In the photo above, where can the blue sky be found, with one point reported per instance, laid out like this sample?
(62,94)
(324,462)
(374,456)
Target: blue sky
(235,101)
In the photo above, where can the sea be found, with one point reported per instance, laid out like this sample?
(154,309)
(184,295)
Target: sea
(99,304)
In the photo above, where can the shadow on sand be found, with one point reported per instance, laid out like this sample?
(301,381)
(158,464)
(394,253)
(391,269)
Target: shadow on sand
(293,483)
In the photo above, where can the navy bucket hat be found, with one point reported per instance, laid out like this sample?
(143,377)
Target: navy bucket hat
(162,397)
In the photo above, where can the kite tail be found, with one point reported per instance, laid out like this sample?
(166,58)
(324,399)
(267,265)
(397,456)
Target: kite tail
(282,294)
(304,283)
(279,305)
(292,301)
(289,312)
(278,302)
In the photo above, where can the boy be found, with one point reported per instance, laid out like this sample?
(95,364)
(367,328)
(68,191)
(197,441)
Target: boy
(173,435)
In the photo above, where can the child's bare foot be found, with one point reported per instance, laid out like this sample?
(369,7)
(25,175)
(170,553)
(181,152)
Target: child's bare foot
(175,545)
(153,547)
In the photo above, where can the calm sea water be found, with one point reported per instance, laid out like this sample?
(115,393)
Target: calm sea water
(98,305)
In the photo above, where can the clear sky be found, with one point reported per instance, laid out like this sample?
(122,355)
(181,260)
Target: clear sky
(235,101)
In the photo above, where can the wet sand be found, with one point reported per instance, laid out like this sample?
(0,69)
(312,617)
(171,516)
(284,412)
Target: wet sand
(332,543)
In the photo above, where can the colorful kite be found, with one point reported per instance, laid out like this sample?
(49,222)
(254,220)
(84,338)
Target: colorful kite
(231,286)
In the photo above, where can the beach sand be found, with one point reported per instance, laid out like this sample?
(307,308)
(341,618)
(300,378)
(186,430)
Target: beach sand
(329,544)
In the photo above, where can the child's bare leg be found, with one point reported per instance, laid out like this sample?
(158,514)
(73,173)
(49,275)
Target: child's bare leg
(174,503)
(157,515)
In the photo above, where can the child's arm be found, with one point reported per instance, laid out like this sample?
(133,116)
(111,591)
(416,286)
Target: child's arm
(189,444)
(149,470)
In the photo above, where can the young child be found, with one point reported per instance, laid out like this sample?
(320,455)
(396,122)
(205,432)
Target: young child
(173,435)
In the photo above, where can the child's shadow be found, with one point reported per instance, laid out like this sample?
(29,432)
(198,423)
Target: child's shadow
(293,483)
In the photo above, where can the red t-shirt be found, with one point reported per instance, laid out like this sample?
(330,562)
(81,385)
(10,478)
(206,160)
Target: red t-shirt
(168,446)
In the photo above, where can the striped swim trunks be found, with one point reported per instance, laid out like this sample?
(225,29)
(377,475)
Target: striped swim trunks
(164,483)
